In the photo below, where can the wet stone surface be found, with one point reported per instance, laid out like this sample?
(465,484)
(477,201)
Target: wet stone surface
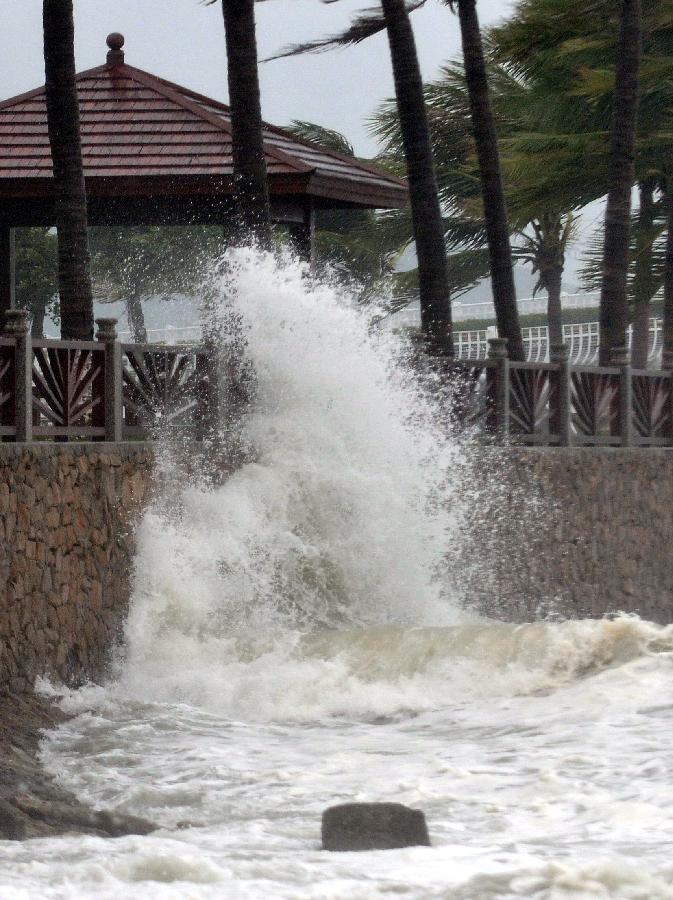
(31,803)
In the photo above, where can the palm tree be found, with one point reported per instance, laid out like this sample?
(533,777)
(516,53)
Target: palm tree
(433,277)
(543,246)
(495,210)
(573,51)
(366,246)
(614,306)
(251,187)
(426,214)
(37,275)
(541,233)
(66,150)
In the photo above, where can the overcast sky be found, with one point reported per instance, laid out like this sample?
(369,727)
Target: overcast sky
(183,40)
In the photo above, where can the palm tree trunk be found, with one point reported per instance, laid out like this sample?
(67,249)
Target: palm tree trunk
(251,188)
(644,287)
(426,214)
(136,318)
(66,150)
(38,309)
(614,305)
(495,211)
(667,357)
(552,281)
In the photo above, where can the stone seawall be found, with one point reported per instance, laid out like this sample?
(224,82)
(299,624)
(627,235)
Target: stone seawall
(572,532)
(577,532)
(67,513)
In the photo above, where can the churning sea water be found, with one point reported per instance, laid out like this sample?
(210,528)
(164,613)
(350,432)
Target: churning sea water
(291,644)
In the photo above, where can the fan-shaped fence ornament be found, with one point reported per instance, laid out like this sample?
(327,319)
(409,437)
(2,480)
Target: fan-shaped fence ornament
(68,388)
(594,402)
(653,407)
(162,388)
(472,395)
(532,390)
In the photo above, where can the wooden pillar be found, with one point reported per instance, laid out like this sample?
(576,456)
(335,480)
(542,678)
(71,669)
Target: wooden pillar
(7,269)
(497,352)
(16,326)
(111,386)
(302,236)
(619,356)
(560,412)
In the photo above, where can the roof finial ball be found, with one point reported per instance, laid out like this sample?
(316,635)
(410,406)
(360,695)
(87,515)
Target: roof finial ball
(115,42)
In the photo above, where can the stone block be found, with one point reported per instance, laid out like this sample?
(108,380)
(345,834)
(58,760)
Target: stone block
(373,826)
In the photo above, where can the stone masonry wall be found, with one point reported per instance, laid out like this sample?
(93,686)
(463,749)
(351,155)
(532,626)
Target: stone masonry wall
(576,532)
(66,550)
(573,532)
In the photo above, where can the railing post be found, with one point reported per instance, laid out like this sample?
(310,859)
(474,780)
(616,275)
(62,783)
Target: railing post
(620,356)
(559,354)
(16,326)
(497,350)
(208,392)
(112,389)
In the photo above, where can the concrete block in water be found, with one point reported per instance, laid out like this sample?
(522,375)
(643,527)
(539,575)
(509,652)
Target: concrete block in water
(373,826)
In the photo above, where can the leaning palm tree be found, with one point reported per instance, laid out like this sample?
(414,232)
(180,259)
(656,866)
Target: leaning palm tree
(251,187)
(374,21)
(74,280)
(426,214)
(541,228)
(614,306)
(428,228)
(573,51)
(495,210)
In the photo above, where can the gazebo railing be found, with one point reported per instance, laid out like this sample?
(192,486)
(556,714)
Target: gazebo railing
(557,403)
(102,389)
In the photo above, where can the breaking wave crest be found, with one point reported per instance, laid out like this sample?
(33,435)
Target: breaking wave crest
(310,582)
(387,671)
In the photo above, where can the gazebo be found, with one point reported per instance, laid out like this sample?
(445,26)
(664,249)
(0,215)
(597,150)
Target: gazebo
(156,153)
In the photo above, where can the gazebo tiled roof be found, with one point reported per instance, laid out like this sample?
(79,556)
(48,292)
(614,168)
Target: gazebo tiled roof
(144,136)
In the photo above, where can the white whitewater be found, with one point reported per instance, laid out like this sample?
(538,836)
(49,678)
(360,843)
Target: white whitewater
(291,645)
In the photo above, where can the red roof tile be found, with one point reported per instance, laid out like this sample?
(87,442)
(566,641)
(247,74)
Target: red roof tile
(135,124)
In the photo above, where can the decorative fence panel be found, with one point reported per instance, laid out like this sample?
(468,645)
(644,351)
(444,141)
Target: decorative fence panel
(594,405)
(162,388)
(558,403)
(532,390)
(68,389)
(101,390)
(652,408)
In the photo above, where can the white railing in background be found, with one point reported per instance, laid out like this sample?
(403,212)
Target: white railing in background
(484,309)
(581,338)
(169,334)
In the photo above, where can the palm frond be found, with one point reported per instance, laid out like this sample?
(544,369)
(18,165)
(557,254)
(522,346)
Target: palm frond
(368,23)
